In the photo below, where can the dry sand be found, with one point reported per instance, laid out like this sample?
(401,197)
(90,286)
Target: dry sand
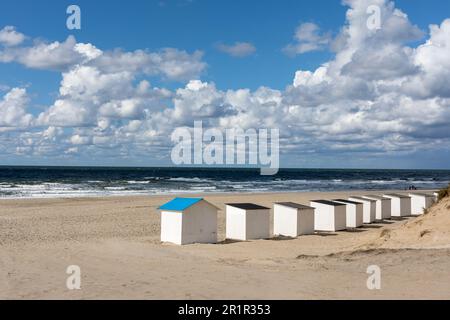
(116,243)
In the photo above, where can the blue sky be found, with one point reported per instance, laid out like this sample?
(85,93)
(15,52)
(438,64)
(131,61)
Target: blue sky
(198,25)
(201,25)
(189,25)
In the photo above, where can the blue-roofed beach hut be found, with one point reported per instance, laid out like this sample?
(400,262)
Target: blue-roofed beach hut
(188,220)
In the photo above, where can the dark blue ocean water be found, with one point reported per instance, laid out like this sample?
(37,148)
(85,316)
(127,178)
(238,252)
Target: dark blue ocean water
(41,182)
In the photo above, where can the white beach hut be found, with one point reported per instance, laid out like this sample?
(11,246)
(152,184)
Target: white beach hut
(436,196)
(188,220)
(292,219)
(420,202)
(383,207)
(354,213)
(329,216)
(369,208)
(247,221)
(400,204)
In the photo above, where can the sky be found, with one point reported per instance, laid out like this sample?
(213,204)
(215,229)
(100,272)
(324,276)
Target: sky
(112,93)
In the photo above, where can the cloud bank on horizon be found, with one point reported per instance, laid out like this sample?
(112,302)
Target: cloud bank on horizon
(378,97)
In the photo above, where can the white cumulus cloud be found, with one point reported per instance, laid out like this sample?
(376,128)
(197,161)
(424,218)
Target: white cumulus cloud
(238,49)
(308,37)
(10,37)
(13,109)
(378,97)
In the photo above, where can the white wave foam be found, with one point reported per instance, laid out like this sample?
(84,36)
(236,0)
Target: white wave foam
(138,182)
(190,179)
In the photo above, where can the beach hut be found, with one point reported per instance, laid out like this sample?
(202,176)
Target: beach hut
(247,221)
(383,207)
(369,208)
(329,216)
(292,219)
(354,213)
(420,202)
(400,204)
(436,196)
(188,220)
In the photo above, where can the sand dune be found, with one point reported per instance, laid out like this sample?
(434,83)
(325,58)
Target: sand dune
(430,231)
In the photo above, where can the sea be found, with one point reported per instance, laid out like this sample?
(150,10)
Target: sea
(66,182)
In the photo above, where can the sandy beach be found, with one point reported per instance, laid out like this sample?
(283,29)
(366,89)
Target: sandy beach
(115,241)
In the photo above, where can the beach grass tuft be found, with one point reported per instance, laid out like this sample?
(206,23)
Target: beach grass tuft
(444,193)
